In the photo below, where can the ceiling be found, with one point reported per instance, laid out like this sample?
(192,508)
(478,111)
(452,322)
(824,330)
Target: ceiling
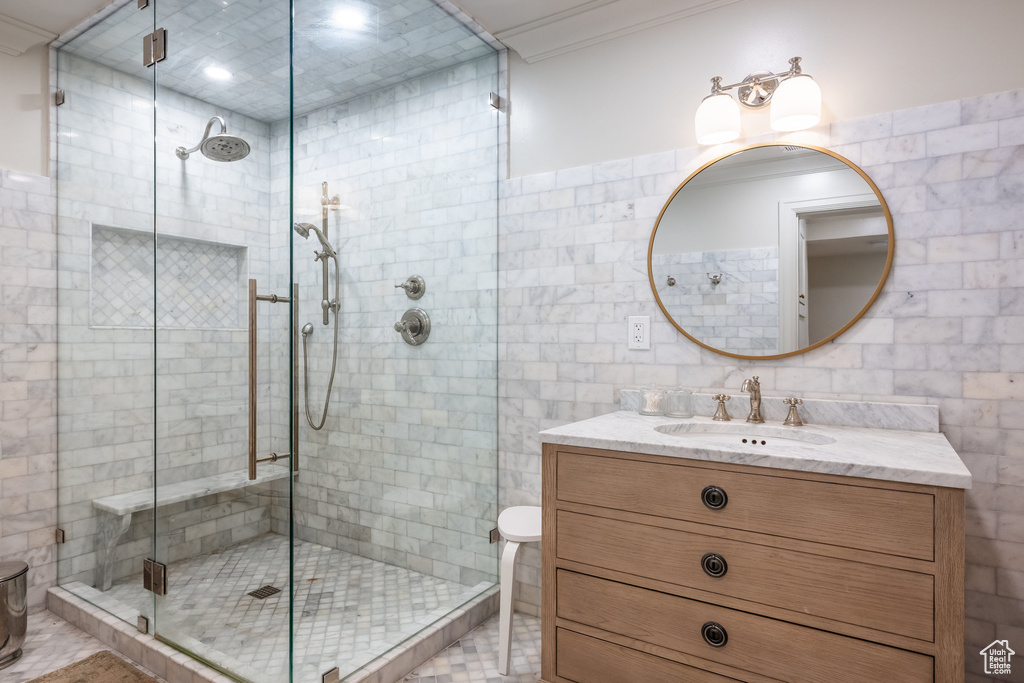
(539,29)
(27,23)
(248,42)
(536,29)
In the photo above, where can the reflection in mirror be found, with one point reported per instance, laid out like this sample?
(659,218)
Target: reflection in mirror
(770,251)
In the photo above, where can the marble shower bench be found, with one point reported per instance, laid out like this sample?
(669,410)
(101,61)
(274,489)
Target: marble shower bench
(114,513)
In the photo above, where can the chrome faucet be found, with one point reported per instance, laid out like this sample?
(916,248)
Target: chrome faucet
(753,386)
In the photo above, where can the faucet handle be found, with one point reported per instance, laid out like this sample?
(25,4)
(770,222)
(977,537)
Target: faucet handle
(721,414)
(793,417)
(414,287)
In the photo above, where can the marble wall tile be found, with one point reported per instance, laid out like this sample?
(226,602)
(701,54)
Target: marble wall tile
(213,233)
(946,329)
(28,378)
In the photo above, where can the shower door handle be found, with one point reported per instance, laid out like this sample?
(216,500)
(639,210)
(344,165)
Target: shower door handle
(252,379)
(272,457)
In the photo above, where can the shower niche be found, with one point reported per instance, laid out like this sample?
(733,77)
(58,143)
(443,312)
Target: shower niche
(205,279)
(169,379)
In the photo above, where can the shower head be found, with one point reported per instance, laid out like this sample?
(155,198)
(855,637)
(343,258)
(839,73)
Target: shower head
(307,329)
(303,230)
(220,147)
(225,147)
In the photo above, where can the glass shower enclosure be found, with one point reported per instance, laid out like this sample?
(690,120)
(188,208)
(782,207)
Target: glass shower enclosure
(272,454)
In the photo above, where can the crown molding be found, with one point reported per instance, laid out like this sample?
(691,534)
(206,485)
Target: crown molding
(17,36)
(580,26)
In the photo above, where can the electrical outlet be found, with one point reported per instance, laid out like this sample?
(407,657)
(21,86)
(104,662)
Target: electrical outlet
(639,332)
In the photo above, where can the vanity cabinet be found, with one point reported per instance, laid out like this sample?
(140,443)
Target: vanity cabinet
(659,568)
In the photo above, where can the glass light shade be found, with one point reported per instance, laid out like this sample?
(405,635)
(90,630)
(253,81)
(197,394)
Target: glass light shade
(717,120)
(796,104)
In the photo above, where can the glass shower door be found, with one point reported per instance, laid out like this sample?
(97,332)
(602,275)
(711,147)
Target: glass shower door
(395,178)
(106,317)
(223,329)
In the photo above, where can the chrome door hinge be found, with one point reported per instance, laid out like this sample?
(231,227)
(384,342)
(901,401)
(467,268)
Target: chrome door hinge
(142,623)
(154,47)
(154,576)
(332,676)
(494,99)
(58,536)
(143,4)
(494,536)
(59,97)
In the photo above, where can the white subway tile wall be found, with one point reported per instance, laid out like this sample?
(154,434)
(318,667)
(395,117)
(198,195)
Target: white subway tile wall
(948,326)
(405,470)
(212,224)
(28,378)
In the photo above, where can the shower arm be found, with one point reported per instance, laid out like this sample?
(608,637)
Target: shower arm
(183,153)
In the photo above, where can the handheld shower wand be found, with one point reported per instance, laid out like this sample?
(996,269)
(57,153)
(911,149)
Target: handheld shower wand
(327,304)
(328,252)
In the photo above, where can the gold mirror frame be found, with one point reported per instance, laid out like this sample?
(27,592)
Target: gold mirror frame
(871,301)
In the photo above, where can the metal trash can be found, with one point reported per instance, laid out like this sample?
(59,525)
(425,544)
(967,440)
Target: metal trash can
(13,610)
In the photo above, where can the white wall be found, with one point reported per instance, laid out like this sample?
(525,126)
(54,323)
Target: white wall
(24,111)
(637,94)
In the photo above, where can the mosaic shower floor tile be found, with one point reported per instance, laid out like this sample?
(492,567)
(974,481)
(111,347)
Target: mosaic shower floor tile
(348,609)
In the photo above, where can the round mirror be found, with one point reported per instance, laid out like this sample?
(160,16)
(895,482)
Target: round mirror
(770,251)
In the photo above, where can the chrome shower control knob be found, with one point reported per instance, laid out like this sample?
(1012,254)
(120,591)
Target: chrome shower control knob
(414,287)
(414,326)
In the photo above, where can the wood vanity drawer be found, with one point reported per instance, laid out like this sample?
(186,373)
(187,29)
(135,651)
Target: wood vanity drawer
(895,522)
(768,647)
(589,660)
(891,600)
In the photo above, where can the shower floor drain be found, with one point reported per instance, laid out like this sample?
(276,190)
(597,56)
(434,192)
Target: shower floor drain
(264,592)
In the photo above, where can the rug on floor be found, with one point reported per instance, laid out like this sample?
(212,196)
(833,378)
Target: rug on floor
(102,667)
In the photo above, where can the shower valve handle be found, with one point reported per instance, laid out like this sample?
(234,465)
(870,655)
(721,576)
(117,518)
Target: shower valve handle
(410,326)
(414,326)
(414,287)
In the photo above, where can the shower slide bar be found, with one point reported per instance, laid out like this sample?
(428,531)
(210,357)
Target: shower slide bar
(294,453)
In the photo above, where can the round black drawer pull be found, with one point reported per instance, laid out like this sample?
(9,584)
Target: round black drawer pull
(714,497)
(714,565)
(714,634)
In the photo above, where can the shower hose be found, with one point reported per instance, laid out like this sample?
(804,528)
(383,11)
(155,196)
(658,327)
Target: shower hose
(334,359)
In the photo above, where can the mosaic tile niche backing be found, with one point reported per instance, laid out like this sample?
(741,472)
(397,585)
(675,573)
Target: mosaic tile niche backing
(201,283)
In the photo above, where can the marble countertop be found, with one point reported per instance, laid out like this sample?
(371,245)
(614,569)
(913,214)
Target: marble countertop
(889,454)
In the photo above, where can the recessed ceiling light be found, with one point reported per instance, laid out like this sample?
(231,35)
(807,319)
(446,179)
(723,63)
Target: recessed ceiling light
(217,73)
(349,18)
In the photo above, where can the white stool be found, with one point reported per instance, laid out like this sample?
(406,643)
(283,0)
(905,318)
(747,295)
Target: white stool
(517,525)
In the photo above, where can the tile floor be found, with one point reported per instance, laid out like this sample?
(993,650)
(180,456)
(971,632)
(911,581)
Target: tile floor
(349,609)
(474,658)
(52,643)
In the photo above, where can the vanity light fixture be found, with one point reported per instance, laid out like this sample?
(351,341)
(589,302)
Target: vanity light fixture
(795,99)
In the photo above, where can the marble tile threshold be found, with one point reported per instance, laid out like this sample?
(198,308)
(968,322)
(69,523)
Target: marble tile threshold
(177,667)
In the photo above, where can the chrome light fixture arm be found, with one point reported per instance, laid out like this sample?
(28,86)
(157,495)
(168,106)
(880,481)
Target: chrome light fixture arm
(756,90)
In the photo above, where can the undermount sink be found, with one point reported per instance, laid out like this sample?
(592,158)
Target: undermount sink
(741,434)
